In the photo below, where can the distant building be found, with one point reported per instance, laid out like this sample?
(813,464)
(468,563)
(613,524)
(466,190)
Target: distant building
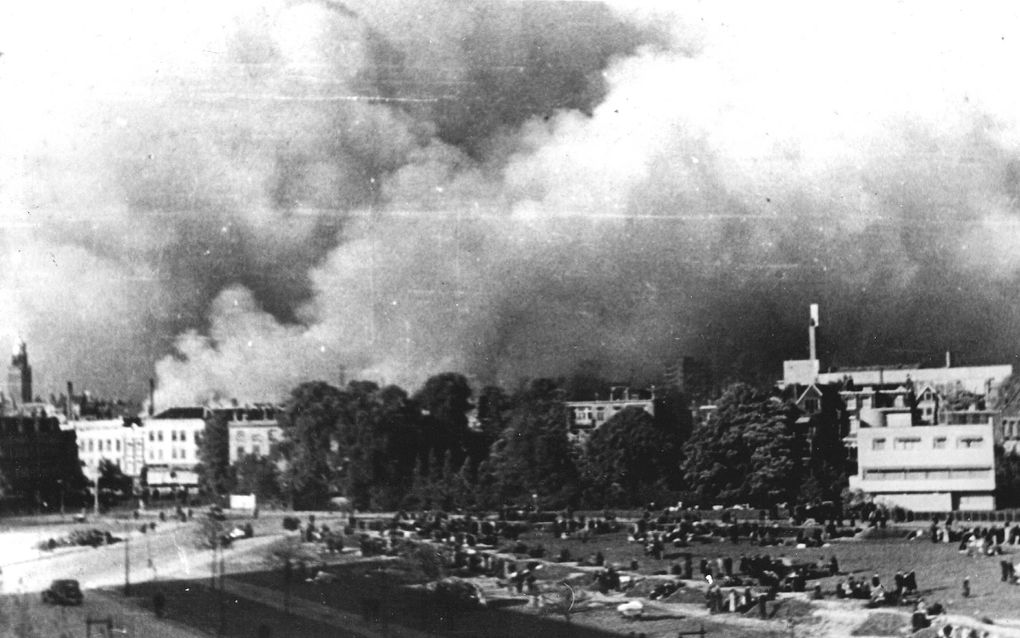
(120,441)
(928,469)
(38,459)
(171,440)
(252,430)
(19,376)
(587,416)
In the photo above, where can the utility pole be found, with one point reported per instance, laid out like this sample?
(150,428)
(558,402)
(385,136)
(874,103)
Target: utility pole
(127,561)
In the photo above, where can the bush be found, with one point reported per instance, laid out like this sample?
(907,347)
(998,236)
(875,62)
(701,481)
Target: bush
(291,523)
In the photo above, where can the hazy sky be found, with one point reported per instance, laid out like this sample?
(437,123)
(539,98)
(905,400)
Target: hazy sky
(240,197)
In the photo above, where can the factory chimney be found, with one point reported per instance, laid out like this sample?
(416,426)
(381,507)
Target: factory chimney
(949,359)
(812,324)
(152,396)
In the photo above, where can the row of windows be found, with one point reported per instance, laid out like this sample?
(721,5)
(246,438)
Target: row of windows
(937,443)
(256,437)
(255,449)
(927,474)
(174,453)
(98,447)
(175,435)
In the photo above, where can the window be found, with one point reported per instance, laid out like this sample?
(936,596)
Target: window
(173,435)
(907,443)
(160,455)
(118,446)
(90,445)
(256,450)
(969,442)
(173,452)
(152,437)
(938,443)
(159,435)
(184,436)
(878,444)
(240,451)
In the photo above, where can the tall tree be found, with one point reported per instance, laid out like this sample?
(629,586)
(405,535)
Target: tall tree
(311,454)
(215,476)
(257,475)
(533,455)
(632,460)
(827,468)
(749,450)
(445,400)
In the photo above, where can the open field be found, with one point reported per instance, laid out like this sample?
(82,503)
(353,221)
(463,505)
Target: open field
(940,568)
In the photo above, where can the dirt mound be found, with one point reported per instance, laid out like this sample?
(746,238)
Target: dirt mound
(882,623)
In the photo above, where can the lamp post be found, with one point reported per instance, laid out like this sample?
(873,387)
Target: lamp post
(127,559)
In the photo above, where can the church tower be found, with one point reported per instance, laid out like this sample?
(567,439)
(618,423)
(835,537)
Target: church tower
(19,377)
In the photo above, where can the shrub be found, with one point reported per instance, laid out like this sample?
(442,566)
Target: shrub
(291,523)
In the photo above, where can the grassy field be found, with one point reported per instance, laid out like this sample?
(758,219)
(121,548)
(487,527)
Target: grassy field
(940,568)
(940,571)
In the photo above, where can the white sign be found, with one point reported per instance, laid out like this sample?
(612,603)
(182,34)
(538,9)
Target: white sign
(242,502)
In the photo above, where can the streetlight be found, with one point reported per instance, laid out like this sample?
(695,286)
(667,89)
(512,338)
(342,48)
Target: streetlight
(60,482)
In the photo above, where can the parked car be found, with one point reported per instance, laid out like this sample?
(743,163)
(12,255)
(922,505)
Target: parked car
(63,592)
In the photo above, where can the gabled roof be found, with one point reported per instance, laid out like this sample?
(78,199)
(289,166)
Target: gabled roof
(816,392)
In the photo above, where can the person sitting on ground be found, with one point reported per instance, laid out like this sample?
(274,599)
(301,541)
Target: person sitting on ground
(879,596)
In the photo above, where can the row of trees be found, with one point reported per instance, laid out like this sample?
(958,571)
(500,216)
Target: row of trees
(383,449)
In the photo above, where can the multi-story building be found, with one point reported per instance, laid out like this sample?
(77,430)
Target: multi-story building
(38,460)
(927,468)
(586,416)
(171,441)
(252,430)
(120,441)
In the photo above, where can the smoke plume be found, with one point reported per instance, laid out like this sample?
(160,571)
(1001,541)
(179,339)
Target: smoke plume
(245,197)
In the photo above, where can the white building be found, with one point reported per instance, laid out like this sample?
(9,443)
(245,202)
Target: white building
(589,415)
(927,468)
(113,440)
(171,446)
(252,431)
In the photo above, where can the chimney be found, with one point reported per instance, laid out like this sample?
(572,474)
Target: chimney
(812,324)
(152,396)
(69,404)
(949,359)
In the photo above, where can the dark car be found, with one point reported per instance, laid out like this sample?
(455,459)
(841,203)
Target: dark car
(63,592)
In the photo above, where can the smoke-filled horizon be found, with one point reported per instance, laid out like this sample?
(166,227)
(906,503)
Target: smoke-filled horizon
(239,198)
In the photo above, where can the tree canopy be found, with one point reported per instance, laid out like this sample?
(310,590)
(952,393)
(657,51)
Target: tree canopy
(749,450)
(632,460)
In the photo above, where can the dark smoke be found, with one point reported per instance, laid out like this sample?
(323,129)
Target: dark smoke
(301,190)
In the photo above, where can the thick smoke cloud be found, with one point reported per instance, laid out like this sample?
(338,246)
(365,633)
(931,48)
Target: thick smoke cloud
(260,195)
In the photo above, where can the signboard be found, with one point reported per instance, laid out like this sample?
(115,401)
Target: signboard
(242,502)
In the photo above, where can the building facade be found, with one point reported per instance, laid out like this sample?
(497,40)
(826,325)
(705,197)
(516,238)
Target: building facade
(252,430)
(927,468)
(586,416)
(171,440)
(120,441)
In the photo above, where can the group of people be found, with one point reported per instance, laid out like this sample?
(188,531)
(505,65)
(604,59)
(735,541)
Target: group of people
(905,585)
